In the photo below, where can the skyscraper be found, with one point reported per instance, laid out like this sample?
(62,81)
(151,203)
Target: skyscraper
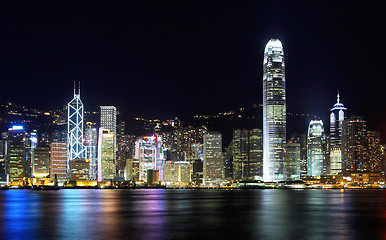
(75,147)
(240,154)
(91,142)
(316,162)
(41,160)
(274,112)
(17,154)
(337,116)
(109,122)
(106,163)
(58,161)
(213,163)
(336,119)
(146,152)
(247,154)
(354,144)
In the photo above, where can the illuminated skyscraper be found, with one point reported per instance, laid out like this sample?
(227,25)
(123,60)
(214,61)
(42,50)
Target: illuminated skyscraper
(91,144)
(58,161)
(109,122)
(106,163)
(337,116)
(354,145)
(274,112)
(316,140)
(149,151)
(17,154)
(75,147)
(336,119)
(213,163)
(41,161)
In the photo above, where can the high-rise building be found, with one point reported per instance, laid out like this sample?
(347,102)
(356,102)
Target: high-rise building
(3,165)
(247,154)
(41,160)
(354,145)
(79,169)
(31,143)
(303,154)
(293,160)
(17,154)
(91,144)
(109,122)
(274,112)
(106,163)
(240,154)
(75,147)
(149,151)
(337,116)
(213,163)
(335,160)
(375,151)
(255,170)
(177,171)
(58,161)
(316,140)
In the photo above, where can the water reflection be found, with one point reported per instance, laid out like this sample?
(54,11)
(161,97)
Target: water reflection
(191,214)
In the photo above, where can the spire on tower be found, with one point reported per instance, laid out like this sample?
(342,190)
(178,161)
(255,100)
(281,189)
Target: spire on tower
(338,97)
(79,88)
(74,89)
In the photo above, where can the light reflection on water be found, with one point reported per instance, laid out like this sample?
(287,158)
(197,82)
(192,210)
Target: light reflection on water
(192,214)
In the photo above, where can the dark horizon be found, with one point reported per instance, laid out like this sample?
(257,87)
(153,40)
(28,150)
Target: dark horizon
(162,60)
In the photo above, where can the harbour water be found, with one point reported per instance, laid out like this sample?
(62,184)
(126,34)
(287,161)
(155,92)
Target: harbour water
(192,214)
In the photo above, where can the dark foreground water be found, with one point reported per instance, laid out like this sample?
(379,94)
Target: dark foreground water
(192,214)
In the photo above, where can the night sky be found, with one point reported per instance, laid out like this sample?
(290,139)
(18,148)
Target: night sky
(178,58)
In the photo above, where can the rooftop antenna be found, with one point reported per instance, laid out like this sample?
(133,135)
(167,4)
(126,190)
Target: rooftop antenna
(338,97)
(79,88)
(74,89)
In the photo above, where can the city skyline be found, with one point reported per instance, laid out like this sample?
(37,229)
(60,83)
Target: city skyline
(187,63)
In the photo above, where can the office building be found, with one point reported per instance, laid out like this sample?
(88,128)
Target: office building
(213,163)
(274,112)
(106,162)
(354,145)
(91,144)
(17,155)
(58,161)
(41,160)
(75,147)
(109,121)
(337,116)
(374,151)
(293,160)
(316,145)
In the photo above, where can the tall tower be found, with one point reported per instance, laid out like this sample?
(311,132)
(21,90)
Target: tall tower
(274,112)
(316,142)
(75,147)
(212,166)
(337,115)
(109,122)
(336,119)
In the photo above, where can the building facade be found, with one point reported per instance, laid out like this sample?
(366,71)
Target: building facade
(316,145)
(354,145)
(109,121)
(337,116)
(274,112)
(58,161)
(75,110)
(106,162)
(213,163)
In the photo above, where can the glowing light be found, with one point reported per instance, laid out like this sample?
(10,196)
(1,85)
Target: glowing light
(16,127)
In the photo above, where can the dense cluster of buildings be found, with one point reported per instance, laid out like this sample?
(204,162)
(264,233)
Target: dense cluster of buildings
(102,153)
